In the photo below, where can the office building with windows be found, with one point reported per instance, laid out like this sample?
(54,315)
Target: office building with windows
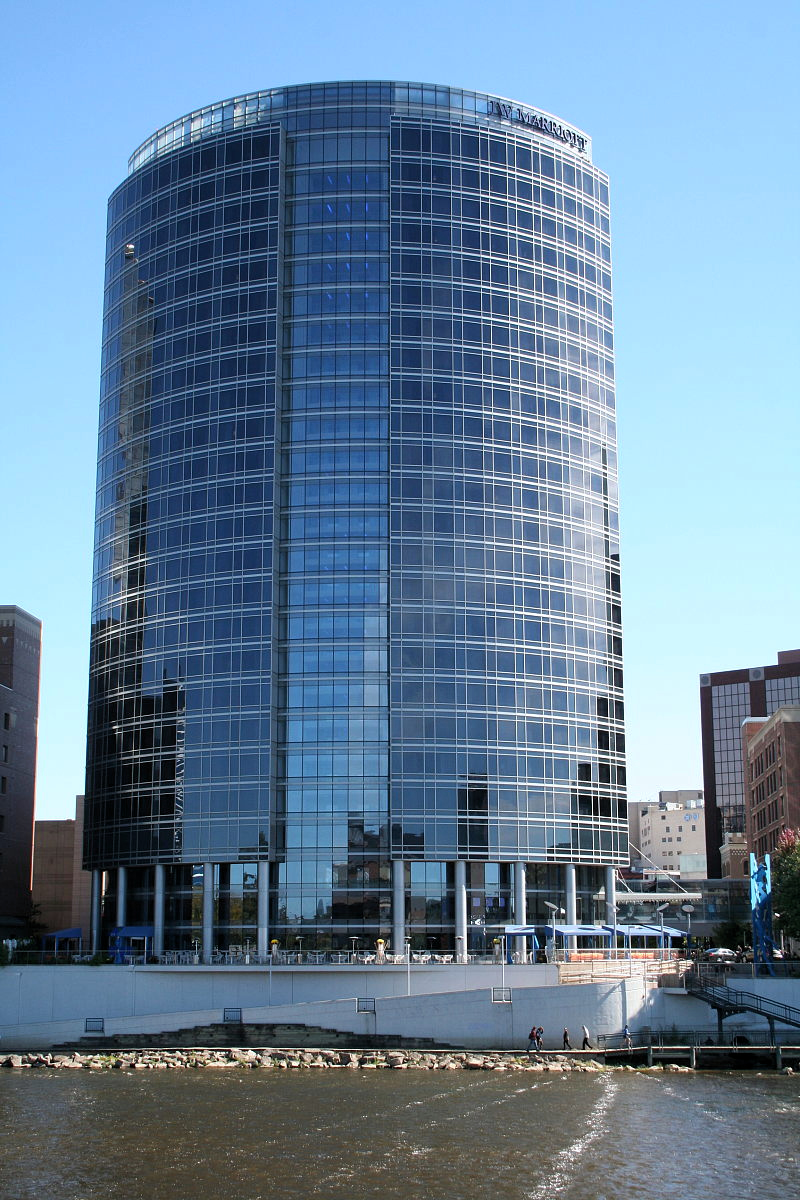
(668,836)
(771,748)
(20,653)
(727,698)
(356,649)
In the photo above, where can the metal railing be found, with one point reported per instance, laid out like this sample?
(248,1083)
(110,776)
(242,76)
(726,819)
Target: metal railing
(732,1000)
(711,1037)
(594,972)
(707,1036)
(780,969)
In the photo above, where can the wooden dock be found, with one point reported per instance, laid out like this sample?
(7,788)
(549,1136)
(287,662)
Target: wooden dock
(701,1057)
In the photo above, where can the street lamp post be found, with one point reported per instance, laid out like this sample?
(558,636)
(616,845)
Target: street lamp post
(688,909)
(776,916)
(660,911)
(478,925)
(554,912)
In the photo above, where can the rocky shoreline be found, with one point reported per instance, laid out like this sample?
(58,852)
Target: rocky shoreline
(277,1059)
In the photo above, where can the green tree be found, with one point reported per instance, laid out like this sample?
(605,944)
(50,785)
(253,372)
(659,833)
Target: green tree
(732,934)
(34,927)
(786,882)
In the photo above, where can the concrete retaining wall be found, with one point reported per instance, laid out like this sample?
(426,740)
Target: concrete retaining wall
(42,1006)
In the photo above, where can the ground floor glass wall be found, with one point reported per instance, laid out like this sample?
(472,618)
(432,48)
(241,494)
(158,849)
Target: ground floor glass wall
(343,904)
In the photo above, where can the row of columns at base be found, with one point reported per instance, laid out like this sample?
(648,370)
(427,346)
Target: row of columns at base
(398,905)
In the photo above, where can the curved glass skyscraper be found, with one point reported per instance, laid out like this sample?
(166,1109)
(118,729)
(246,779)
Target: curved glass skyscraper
(356,659)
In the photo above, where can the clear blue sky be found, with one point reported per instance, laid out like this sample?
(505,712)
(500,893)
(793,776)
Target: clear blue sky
(692,108)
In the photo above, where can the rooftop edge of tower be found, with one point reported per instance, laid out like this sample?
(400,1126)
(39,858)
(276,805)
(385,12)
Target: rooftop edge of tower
(252,109)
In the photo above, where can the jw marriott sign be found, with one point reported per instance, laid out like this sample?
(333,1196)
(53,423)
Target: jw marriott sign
(511,112)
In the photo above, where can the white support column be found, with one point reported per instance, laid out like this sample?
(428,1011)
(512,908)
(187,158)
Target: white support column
(159,893)
(611,895)
(122,895)
(572,901)
(208,911)
(97,895)
(462,946)
(398,906)
(520,908)
(262,946)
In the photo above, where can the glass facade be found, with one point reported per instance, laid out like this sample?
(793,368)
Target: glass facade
(357,567)
(727,698)
(730,704)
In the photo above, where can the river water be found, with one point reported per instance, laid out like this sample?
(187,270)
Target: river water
(248,1135)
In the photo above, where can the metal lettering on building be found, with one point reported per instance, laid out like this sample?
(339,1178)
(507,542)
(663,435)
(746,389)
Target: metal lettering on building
(534,120)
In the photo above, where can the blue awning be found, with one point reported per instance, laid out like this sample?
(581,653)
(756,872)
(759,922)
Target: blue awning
(133,931)
(598,931)
(646,931)
(669,931)
(522,931)
(63,935)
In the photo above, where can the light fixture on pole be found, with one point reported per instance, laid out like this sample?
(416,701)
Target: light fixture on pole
(776,916)
(688,909)
(660,911)
(554,912)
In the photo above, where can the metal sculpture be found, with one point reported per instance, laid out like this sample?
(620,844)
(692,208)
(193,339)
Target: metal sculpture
(761,905)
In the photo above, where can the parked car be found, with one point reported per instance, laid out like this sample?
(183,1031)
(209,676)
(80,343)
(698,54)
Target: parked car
(719,954)
(777,956)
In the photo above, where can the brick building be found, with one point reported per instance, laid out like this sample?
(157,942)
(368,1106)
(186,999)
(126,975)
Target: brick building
(61,888)
(771,750)
(726,699)
(20,648)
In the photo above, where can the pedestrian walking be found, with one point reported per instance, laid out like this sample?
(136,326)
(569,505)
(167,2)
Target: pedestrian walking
(567,1045)
(539,1037)
(626,1037)
(532,1042)
(586,1045)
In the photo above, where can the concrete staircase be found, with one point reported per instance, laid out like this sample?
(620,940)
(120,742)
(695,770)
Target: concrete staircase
(241,1034)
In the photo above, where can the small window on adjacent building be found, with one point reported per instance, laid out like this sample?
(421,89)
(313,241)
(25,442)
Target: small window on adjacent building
(5,753)
(3,785)
(6,720)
